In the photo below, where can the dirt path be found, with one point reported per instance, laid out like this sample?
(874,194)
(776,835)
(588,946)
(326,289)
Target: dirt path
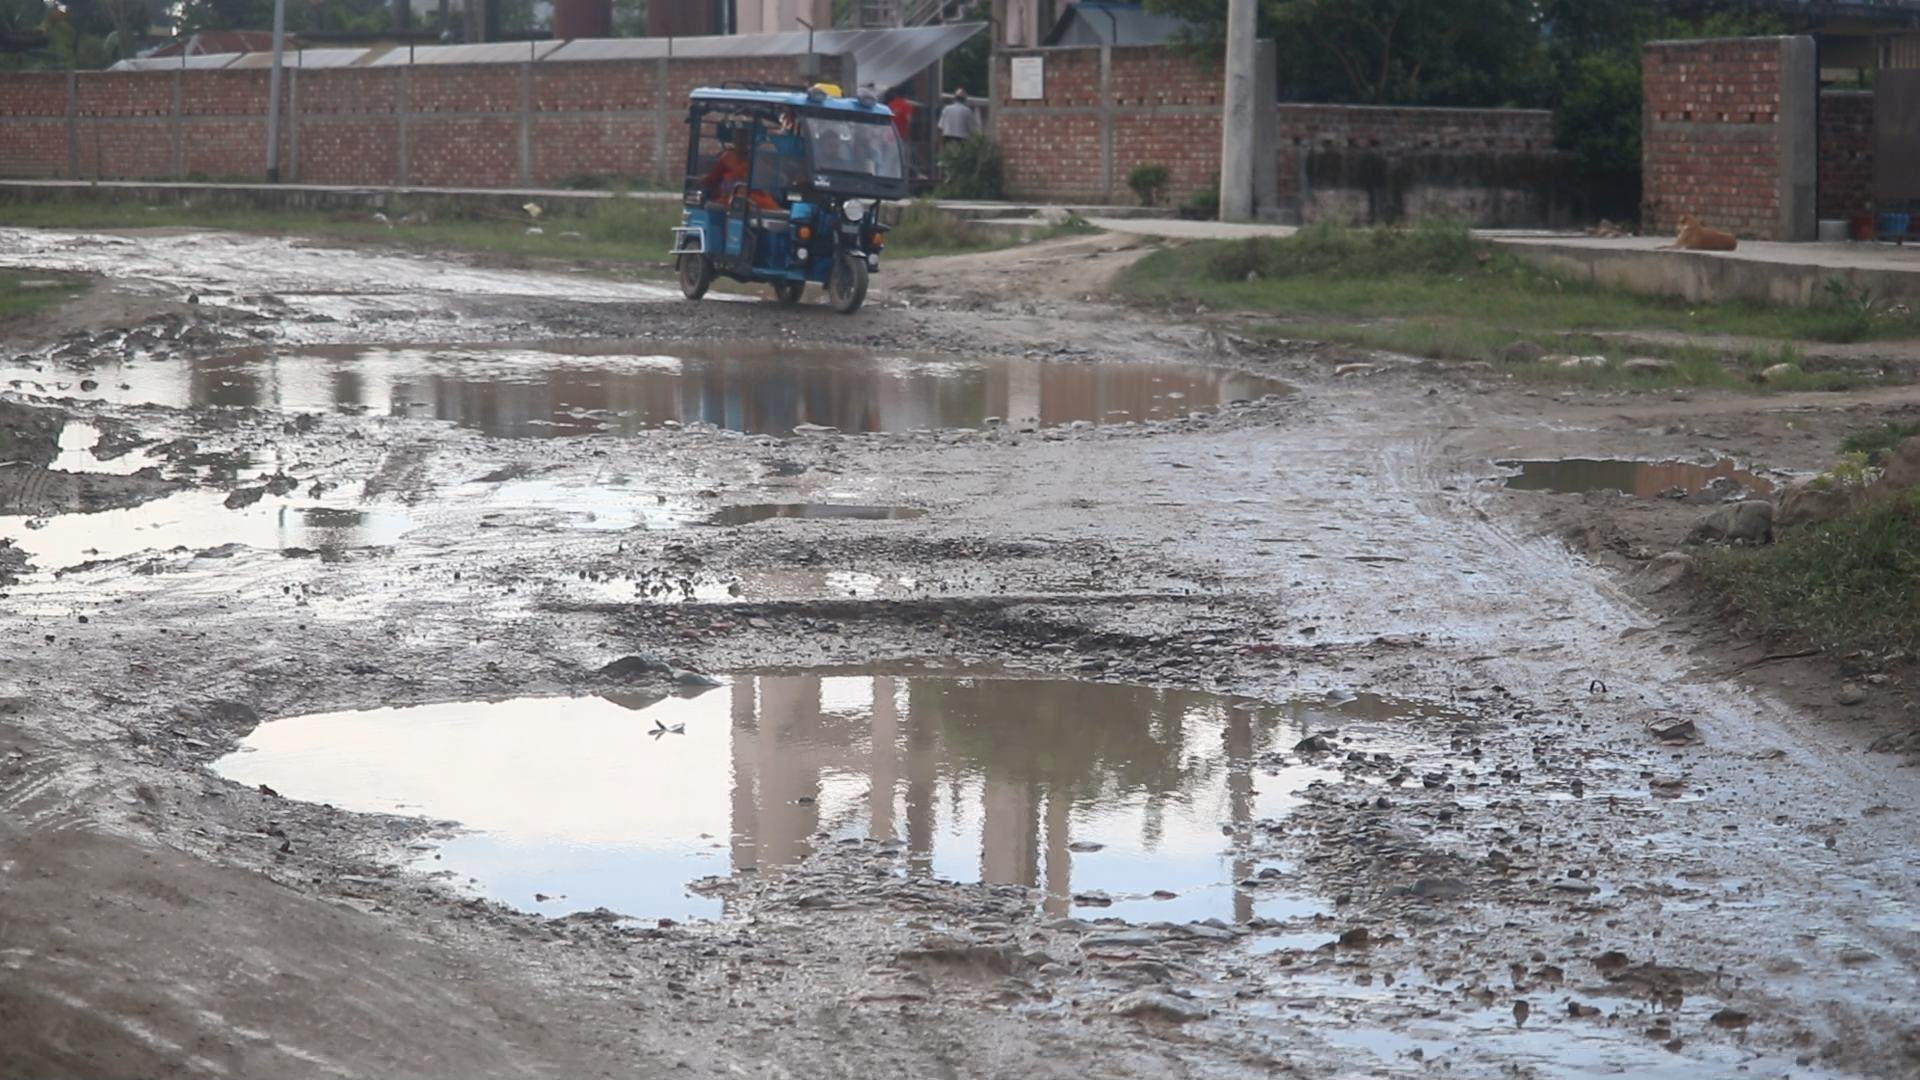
(1522,880)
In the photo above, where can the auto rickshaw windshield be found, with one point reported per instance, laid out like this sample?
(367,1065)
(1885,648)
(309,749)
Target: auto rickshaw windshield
(871,149)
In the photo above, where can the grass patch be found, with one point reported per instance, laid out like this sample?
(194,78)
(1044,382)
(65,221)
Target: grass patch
(924,229)
(1849,584)
(620,231)
(1877,442)
(23,293)
(1433,289)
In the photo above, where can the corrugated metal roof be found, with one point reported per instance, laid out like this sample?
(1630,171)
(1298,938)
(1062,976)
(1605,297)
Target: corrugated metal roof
(305,58)
(499,52)
(1092,22)
(212,61)
(881,57)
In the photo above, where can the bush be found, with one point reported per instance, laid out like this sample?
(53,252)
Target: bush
(1847,584)
(1207,199)
(972,170)
(922,227)
(1149,183)
(1430,247)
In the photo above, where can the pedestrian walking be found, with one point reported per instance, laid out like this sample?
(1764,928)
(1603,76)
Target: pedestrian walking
(958,121)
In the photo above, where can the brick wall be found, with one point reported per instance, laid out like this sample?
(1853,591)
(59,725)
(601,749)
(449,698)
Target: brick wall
(1846,153)
(1108,110)
(1726,124)
(467,125)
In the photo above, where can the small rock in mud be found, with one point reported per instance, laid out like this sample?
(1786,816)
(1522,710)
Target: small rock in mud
(1439,888)
(1851,694)
(632,667)
(1160,1003)
(1749,521)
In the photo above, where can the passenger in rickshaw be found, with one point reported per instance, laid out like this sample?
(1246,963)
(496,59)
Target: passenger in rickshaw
(732,169)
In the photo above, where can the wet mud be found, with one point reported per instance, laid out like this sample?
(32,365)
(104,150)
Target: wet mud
(385,693)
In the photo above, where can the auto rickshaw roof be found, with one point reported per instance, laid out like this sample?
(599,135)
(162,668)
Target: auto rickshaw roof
(793,99)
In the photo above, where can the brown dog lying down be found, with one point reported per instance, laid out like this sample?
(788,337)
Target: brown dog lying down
(1697,237)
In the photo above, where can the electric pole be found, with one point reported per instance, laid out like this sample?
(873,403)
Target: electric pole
(1236,114)
(273,93)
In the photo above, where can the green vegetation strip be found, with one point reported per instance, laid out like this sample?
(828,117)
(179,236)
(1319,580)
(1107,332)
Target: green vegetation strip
(627,233)
(21,293)
(1849,584)
(1435,290)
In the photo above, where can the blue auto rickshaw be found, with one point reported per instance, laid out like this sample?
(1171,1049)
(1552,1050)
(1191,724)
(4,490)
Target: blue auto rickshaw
(784,185)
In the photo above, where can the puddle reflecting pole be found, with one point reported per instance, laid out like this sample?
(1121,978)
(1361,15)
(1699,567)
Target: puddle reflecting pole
(273,92)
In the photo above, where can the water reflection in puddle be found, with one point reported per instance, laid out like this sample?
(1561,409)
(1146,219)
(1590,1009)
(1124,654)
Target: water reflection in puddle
(1077,788)
(577,390)
(1641,478)
(198,520)
(747,515)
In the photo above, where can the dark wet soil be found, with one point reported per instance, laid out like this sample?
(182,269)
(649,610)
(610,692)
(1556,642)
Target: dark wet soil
(1490,847)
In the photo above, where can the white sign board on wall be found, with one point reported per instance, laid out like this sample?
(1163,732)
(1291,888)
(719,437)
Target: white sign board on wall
(1029,78)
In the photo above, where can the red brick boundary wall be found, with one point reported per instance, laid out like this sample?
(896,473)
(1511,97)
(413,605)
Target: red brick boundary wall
(1108,108)
(1728,135)
(1846,153)
(471,125)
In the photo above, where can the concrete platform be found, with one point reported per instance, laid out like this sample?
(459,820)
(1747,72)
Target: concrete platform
(1759,271)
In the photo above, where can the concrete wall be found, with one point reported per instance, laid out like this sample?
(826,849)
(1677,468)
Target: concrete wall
(470,125)
(1107,109)
(1364,164)
(1729,135)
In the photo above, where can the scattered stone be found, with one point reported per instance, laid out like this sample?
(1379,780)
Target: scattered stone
(1439,888)
(1663,572)
(1749,521)
(1646,365)
(1160,1003)
(1731,1018)
(1808,502)
(1357,938)
(1902,469)
(1776,372)
(1673,729)
(1313,744)
(1521,352)
(634,666)
(1850,694)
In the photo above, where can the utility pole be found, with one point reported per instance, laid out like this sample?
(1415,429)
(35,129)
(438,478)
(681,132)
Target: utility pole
(1236,114)
(273,92)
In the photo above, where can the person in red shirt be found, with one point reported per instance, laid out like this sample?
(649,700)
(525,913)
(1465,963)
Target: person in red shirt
(902,113)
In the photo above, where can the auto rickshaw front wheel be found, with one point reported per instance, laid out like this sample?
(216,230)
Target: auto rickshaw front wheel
(696,273)
(847,285)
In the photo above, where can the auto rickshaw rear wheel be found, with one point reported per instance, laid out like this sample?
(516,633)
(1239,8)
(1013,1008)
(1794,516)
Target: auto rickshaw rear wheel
(789,291)
(696,273)
(847,285)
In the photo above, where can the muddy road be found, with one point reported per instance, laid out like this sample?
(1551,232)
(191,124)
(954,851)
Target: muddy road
(419,665)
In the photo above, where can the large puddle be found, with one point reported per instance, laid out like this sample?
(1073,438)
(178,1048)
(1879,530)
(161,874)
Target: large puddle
(1112,799)
(1644,479)
(579,389)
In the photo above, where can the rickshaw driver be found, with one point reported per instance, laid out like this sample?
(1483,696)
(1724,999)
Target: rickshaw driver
(731,170)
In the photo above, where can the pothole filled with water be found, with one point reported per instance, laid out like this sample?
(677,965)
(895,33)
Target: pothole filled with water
(1644,479)
(580,389)
(747,515)
(1111,799)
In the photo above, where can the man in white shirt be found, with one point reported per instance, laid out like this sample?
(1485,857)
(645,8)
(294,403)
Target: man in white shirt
(958,123)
